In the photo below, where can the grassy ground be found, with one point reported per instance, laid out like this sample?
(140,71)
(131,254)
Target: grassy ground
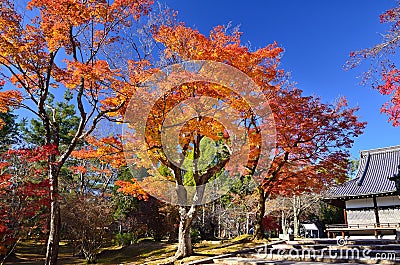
(33,253)
(145,252)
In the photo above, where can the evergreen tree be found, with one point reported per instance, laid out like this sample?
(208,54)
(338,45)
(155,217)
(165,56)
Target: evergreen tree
(9,132)
(66,118)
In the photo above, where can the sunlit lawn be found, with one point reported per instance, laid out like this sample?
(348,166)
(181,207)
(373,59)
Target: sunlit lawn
(144,252)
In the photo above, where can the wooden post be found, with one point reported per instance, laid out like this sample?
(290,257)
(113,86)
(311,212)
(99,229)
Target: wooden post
(376,211)
(345,216)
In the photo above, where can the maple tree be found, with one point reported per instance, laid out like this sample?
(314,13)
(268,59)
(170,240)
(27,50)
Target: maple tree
(66,47)
(136,212)
(24,195)
(384,72)
(63,46)
(8,99)
(192,138)
(313,139)
(195,138)
(98,166)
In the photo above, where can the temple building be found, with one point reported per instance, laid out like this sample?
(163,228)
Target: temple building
(371,200)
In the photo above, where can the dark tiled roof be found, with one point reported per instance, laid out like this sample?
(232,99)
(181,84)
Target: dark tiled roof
(375,167)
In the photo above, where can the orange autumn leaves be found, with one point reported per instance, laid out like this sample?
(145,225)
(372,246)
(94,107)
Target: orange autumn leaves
(56,46)
(312,136)
(132,188)
(8,99)
(8,40)
(28,49)
(190,44)
(63,47)
(61,21)
(58,18)
(106,150)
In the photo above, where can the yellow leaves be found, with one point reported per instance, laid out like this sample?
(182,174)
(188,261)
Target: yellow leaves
(184,41)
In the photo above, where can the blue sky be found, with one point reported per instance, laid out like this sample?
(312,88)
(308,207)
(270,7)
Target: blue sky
(317,36)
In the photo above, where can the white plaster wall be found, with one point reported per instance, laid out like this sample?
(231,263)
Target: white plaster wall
(389,216)
(360,217)
(388,201)
(359,203)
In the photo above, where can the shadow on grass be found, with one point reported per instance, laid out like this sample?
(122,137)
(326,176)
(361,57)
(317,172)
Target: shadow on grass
(145,252)
(203,254)
(235,244)
(135,253)
(33,253)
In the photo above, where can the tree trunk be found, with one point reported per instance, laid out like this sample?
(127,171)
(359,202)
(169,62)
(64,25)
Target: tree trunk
(296,225)
(55,219)
(185,248)
(284,223)
(258,226)
(219,225)
(296,214)
(247,223)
